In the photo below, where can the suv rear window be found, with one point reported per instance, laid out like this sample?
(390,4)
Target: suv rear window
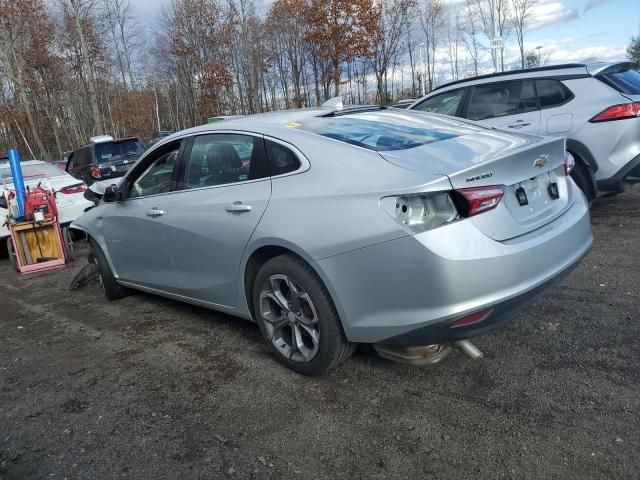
(627,81)
(111,151)
(377,131)
(552,93)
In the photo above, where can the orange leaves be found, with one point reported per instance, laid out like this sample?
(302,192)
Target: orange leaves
(133,112)
(343,29)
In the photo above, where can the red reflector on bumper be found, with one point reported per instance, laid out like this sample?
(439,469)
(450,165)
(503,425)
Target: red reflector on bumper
(471,319)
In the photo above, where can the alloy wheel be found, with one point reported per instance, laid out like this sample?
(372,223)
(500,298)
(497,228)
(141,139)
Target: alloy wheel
(290,318)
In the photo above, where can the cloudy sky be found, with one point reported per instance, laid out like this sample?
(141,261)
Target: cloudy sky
(568,30)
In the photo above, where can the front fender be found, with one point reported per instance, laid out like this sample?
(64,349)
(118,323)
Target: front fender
(91,224)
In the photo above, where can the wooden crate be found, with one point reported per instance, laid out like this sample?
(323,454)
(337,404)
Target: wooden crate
(38,245)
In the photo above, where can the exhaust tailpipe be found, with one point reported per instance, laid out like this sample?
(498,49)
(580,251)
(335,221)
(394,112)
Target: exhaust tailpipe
(469,349)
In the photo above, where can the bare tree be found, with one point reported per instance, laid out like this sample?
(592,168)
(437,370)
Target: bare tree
(22,30)
(433,24)
(81,12)
(493,17)
(470,34)
(392,22)
(521,13)
(454,41)
(126,37)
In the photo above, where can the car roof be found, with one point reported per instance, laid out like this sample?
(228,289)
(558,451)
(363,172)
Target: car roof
(4,164)
(114,140)
(583,69)
(282,123)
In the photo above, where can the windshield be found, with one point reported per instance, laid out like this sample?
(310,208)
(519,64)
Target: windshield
(627,81)
(111,151)
(42,170)
(379,131)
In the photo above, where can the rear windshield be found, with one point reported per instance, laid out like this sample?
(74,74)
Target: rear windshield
(43,170)
(627,81)
(112,151)
(377,131)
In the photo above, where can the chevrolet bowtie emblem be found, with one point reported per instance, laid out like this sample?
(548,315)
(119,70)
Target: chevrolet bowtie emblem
(541,161)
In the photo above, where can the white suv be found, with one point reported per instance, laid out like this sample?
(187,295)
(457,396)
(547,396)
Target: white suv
(595,106)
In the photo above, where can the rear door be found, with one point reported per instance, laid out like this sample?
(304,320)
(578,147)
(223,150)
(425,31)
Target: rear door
(510,105)
(79,164)
(556,118)
(224,190)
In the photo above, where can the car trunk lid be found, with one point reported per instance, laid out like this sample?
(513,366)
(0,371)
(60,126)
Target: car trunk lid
(522,163)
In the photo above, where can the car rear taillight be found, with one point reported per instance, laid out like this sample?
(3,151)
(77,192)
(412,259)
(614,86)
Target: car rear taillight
(618,112)
(71,189)
(569,163)
(475,200)
(423,211)
(95,172)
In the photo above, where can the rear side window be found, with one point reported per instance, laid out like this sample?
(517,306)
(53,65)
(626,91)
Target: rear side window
(281,159)
(445,104)
(112,151)
(378,131)
(221,159)
(627,81)
(82,157)
(495,100)
(552,93)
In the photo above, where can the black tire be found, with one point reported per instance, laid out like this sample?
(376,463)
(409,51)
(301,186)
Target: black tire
(584,179)
(111,288)
(332,347)
(12,255)
(68,245)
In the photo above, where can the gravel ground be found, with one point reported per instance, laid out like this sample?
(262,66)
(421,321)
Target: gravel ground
(148,388)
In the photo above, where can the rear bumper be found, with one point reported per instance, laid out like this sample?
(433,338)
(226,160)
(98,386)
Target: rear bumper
(408,291)
(445,332)
(627,176)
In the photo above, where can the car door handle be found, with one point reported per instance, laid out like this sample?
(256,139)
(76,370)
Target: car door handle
(519,124)
(237,207)
(155,212)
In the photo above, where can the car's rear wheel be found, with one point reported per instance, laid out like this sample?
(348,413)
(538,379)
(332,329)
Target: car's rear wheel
(13,257)
(584,179)
(111,288)
(297,317)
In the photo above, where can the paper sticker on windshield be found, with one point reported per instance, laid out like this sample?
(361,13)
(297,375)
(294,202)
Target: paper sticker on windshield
(292,125)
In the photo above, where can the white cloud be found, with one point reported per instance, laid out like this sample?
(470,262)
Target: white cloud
(549,12)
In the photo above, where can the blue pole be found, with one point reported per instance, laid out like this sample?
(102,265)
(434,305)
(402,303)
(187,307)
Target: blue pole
(18,180)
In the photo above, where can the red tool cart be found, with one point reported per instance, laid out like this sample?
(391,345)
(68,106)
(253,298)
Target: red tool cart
(37,242)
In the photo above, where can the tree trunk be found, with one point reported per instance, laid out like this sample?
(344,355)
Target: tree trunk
(93,95)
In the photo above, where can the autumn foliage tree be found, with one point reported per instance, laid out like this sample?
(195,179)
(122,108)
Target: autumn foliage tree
(342,30)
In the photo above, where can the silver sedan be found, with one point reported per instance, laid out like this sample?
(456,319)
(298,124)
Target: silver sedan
(331,227)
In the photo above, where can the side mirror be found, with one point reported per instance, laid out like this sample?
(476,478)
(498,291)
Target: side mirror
(111,194)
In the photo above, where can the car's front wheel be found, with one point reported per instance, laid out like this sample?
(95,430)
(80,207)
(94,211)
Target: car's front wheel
(111,288)
(297,317)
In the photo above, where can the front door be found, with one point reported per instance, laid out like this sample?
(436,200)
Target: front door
(136,225)
(224,190)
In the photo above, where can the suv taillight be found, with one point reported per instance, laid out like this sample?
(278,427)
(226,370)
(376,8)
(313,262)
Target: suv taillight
(472,201)
(95,172)
(618,112)
(71,189)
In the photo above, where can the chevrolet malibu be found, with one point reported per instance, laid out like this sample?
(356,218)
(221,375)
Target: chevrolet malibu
(336,226)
